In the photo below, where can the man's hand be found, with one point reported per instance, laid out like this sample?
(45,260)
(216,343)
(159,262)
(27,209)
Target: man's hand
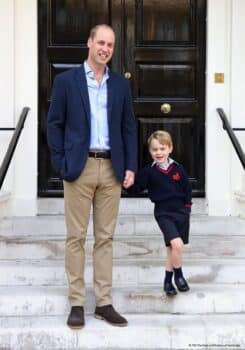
(128,179)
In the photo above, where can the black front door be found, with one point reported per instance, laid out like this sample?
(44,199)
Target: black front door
(160,47)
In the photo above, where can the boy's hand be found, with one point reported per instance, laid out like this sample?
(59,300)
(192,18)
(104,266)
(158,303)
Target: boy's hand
(128,179)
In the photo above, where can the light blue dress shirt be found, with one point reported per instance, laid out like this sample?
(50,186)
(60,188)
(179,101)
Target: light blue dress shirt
(99,138)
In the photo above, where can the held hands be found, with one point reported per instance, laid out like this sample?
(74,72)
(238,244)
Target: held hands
(128,179)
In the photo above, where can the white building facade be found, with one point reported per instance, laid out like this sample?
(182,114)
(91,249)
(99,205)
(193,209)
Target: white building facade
(225,53)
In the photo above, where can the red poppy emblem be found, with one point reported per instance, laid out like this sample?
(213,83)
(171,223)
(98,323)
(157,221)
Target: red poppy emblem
(176,176)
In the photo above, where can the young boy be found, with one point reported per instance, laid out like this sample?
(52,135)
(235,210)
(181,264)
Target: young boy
(169,188)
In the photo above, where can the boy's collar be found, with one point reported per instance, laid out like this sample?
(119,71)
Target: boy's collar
(170,161)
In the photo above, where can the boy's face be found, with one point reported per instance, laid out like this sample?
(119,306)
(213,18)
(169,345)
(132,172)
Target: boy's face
(160,152)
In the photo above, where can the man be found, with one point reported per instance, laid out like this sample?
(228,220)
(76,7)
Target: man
(92,140)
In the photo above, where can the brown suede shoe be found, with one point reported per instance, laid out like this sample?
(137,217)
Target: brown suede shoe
(109,314)
(76,317)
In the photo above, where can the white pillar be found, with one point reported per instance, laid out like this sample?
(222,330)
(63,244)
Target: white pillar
(26,85)
(237,103)
(218,148)
(6,82)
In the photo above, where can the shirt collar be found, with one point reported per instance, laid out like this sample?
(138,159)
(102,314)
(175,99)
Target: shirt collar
(89,72)
(165,167)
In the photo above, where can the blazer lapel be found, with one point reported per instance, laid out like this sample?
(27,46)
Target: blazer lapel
(110,95)
(83,88)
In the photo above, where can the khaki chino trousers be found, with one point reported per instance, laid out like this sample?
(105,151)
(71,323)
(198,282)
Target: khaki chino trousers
(97,186)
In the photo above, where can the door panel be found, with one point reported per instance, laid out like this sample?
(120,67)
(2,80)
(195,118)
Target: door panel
(70,21)
(164,21)
(183,128)
(64,27)
(171,81)
(161,43)
(165,54)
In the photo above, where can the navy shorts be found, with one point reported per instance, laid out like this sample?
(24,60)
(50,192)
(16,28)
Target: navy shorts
(174,225)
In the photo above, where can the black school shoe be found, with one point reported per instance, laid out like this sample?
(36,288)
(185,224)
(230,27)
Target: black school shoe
(181,284)
(109,314)
(169,289)
(76,317)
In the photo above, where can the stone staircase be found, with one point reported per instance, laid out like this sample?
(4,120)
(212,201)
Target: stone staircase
(34,306)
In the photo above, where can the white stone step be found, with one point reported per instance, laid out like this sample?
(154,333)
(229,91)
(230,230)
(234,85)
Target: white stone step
(125,246)
(125,272)
(144,332)
(52,301)
(201,225)
(55,206)
(4,203)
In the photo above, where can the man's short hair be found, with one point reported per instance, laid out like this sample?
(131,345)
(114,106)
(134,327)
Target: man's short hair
(94,30)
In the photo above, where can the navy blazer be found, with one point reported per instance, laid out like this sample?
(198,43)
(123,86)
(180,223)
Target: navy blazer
(68,129)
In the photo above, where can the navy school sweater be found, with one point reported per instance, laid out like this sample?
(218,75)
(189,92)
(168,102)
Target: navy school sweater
(169,189)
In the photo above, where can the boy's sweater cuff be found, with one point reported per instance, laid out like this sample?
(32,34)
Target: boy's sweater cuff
(188,207)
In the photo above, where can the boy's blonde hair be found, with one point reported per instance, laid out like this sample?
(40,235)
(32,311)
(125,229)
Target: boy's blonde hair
(162,136)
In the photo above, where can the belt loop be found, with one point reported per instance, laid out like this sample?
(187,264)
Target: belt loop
(95,155)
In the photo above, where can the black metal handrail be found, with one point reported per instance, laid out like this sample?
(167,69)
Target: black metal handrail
(7,129)
(232,136)
(12,145)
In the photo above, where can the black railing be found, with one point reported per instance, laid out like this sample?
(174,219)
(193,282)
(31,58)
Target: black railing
(12,145)
(232,136)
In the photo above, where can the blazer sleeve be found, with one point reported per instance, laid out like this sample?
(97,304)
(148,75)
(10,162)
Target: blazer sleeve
(56,123)
(129,131)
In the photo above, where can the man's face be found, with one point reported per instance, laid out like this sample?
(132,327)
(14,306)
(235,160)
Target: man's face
(101,46)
